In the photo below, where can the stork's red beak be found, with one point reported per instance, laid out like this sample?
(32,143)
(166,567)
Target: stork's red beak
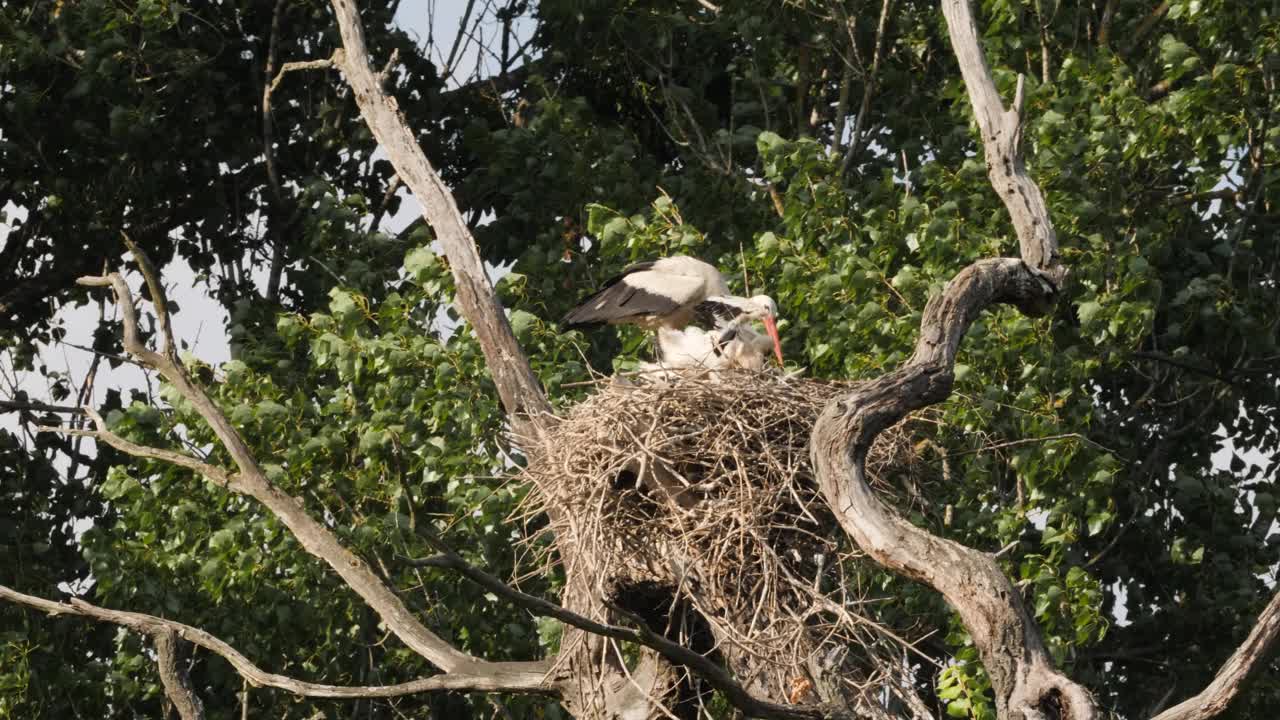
(772,328)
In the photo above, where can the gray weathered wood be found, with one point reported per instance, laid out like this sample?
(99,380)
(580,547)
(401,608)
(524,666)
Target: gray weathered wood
(500,677)
(171,654)
(521,394)
(251,480)
(1252,654)
(1001,130)
(1022,675)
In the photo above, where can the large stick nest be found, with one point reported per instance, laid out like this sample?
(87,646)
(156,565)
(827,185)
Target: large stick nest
(692,503)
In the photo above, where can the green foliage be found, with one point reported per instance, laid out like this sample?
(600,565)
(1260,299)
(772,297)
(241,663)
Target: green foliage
(965,689)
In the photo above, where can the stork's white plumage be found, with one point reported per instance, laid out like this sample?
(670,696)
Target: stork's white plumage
(667,295)
(731,314)
(660,293)
(747,350)
(738,348)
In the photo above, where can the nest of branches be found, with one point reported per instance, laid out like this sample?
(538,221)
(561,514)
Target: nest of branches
(693,507)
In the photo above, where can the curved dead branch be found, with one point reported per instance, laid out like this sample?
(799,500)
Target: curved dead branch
(252,481)
(1022,674)
(1013,652)
(517,677)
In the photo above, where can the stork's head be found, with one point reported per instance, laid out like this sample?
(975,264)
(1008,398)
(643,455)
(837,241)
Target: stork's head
(762,307)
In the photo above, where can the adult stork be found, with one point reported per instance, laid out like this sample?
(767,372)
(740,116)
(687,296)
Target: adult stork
(670,293)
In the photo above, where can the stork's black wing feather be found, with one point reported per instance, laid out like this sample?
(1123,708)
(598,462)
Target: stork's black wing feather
(616,300)
(711,314)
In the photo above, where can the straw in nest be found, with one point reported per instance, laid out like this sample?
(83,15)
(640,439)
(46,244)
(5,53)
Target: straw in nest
(696,503)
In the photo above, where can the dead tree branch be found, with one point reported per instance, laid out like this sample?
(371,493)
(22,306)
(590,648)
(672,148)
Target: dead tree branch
(461,670)
(1252,654)
(513,677)
(271,80)
(8,406)
(171,654)
(252,481)
(868,87)
(523,677)
(1001,130)
(713,673)
(521,394)
(1022,674)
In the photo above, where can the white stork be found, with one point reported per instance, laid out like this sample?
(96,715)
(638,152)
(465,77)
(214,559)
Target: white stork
(658,293)
(735,348)
(669,294)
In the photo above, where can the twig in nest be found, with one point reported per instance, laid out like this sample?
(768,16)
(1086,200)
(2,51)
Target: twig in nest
(699,500)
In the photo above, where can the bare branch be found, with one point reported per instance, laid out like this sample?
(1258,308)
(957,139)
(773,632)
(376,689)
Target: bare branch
(521,393)
(270,81)
(385,73)
(1045,76)
(1013,653)
(171,652)
(1252,654)
(128,316)
(1022,674)
(8,406)
(457,40)
(269,149)
(158,299)
(325,64)
(708,670)
(498,677)
(214,473)
(1001,130)
(868,87)
(1104,25)
(252,481)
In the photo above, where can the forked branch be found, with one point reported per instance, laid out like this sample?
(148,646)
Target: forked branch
(1001,130)
(496,681)
(462,672)
(527,677)
(251,480)
(1022,674)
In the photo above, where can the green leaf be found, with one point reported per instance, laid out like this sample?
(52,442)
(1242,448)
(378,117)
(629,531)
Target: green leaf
(523,323)
(419,261)
(1088,311)
(958,708)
